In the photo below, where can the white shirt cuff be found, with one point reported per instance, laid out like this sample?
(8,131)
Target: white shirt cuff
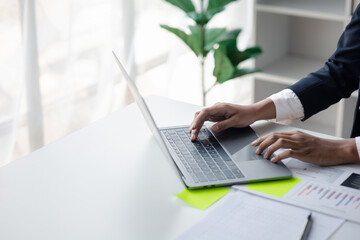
(357,141)
(288,106)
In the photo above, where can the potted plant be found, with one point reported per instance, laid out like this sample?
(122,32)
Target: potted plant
(221,41)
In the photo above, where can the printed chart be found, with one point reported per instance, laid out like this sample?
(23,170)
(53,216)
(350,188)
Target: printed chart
(335,198)
(327,174)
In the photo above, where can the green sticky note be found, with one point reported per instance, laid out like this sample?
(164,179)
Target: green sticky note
(275,188)
(202,198)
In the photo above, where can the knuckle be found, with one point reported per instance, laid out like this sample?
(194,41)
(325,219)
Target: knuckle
(273,136)
(298,134)
(225,105)
(262,146)
(205,111)
(220,104)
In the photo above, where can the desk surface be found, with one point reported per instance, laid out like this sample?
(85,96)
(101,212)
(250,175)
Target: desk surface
(108,180)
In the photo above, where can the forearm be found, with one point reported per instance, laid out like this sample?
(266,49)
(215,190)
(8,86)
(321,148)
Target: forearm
(264,110)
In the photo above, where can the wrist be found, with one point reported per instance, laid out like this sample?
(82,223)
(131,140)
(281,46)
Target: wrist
(264,110)
(347,151)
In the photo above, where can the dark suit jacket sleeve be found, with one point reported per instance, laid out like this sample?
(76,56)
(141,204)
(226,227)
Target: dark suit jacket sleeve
(338,78)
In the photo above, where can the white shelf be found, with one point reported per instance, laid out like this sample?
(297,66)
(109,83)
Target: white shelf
(289,69)
(333,10)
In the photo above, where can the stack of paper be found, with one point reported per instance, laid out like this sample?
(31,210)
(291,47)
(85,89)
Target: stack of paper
(330,190)
(246,216)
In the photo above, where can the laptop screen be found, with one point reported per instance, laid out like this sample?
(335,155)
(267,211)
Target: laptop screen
(146,113)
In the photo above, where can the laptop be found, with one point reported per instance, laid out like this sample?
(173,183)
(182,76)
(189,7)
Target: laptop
(220,159)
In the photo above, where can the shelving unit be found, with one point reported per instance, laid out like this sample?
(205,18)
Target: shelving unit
(297,38)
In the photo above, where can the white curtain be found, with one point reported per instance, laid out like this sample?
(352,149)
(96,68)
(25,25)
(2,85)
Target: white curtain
(57,70)
(58,73)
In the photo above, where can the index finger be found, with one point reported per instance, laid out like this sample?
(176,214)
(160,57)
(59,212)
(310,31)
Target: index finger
(197,123)
(214,113)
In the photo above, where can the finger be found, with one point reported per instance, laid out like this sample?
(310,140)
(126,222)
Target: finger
(204,115)
(216,118)
(223,125)
(193,121)
(278,144)
(264,142)
(200,118)
(268,140)
(283,155)
(261,139)
(193,134)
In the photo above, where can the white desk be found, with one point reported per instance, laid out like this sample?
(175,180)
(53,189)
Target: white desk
(106,181)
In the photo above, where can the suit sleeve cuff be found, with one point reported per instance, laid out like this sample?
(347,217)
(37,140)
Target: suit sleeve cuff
(288,106)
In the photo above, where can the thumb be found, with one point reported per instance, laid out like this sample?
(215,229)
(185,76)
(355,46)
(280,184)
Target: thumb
(222,125)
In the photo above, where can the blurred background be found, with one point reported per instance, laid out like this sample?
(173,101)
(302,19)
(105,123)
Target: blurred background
(58,73)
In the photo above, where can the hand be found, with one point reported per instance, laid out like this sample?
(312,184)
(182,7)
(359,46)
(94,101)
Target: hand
(231,115)
(308,148)
(225,114)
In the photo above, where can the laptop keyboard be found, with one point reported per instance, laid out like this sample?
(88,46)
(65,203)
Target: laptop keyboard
(204,159)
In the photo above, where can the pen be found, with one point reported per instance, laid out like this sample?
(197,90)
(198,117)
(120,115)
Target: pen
(306,229)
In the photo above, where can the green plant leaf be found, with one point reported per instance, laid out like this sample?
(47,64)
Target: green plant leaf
(196,36)
(190,40)
(199,18)
(229,39)
(186,5)
(241,72)
(216,6)
(229,36)
(212,36)
(223,69)
(237,56)
(244,71)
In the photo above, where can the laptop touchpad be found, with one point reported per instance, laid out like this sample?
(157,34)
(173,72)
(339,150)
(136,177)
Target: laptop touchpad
(247,154)
(235,139)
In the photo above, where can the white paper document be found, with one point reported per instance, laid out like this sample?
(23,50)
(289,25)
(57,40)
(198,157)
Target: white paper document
(330,190)
(246,216)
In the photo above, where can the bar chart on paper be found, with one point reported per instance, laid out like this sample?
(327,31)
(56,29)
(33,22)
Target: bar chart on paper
(301,169)
(336,198)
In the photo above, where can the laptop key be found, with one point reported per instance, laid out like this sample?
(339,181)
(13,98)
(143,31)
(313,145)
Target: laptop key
(211,177)
(234,168)
(223,167)
(237,173)
(201,177)
(194,178)
(207,172)
(228,174)
(219,176)
(216,170)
